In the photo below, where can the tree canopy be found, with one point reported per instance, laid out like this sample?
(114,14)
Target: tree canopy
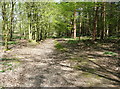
(36,21)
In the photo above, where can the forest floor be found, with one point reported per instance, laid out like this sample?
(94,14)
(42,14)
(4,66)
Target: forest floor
(61,63)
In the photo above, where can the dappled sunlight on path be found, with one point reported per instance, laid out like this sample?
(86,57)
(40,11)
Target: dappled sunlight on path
(44,65)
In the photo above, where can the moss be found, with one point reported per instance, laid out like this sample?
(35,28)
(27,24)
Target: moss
(86,74)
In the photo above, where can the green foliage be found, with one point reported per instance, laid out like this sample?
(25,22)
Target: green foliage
(39,20)
(12,42)
(7,64)
(112,37)
(72,41)
(110,53)
(2,71)
(60,47)
(7,59)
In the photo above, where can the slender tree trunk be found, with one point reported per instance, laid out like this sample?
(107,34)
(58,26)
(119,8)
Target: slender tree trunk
(74,33)
(71,31)
(11,21)
(95,23)
(107,30)
(41,36)
(3,31)
(20,30)
(24,34)
(103,22)
(6,36)
(30,33)
(3,23)
(80,30)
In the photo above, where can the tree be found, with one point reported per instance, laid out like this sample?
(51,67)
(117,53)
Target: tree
(95,22)
(103,21)
(35,21)
(5,29)
(11,19)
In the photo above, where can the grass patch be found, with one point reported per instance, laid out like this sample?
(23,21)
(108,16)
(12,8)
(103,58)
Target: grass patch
(112,37)
(82,61)
(17,37)
(33,42)
(110,53)
(9,43)
(12,42)
(5,63)
(72,42)
(70,39)
(60,47)
(78,59)
(86,69)
(7,66)
(2,71)
(81,38)
(86,40)
(7,59)
(86,74)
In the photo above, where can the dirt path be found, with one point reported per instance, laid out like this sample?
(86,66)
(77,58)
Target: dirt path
(42,66)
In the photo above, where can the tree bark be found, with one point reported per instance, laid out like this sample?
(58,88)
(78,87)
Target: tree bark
(11,21)
(74,33)
(5,26)
(103,21)
(95,23)
(80,30)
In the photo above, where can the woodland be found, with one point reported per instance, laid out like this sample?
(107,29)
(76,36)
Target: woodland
(59,44)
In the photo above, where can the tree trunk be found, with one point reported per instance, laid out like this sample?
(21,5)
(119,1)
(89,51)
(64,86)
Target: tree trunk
(74,33)
(6,36)
(5,27)
(30,33)
(95,23)
(11,21)
(103,22)
(80,27)
(20,31)
(3,23)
